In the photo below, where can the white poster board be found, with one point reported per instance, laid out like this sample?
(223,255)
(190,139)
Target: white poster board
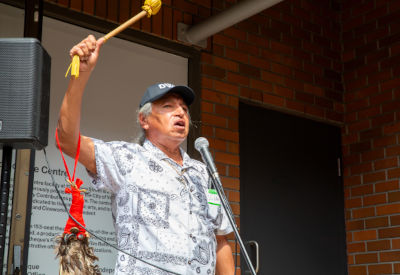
(123,72)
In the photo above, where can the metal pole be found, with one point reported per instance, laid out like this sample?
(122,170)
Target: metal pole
(235,14)
(5,190)
(228,210)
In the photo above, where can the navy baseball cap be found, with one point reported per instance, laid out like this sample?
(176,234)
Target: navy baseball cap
(158,90)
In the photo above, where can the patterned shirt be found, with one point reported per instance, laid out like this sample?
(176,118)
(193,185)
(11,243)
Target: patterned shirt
(160,209)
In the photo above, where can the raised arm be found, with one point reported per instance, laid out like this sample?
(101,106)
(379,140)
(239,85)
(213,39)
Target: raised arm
(68,126)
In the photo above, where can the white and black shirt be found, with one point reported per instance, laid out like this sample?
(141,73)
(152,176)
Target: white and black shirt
(160,209)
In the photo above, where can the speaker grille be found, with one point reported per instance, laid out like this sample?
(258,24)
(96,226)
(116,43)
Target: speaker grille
(24,93)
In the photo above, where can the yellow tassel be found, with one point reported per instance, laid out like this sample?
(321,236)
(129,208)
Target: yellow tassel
(151,7)
(74,67)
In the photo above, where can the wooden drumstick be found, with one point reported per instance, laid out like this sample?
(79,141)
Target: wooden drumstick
(150,7)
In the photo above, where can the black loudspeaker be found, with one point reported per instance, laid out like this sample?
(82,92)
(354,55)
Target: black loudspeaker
(24,93)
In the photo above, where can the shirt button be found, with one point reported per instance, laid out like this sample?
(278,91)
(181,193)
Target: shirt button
(190,212)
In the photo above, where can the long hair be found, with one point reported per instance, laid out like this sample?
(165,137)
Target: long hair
(76,257)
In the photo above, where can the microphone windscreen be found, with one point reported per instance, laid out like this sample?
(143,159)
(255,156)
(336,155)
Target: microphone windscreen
(200,142)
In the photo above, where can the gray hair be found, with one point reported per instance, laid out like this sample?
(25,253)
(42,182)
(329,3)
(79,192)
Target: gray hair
(146,110)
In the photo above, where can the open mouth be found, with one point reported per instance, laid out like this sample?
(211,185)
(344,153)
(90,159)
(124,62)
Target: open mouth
(180,124)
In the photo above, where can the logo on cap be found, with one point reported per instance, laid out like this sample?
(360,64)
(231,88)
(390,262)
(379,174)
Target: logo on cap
(165,85)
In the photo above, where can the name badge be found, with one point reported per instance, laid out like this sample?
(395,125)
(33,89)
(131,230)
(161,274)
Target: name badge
(212,197)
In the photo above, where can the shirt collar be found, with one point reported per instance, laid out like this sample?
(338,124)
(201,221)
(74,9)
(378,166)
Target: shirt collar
(155,151)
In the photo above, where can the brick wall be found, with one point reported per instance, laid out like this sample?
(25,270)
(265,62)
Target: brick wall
(331,60)
(371,48)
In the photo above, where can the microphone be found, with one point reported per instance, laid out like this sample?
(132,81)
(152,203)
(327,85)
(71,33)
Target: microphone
(201,145)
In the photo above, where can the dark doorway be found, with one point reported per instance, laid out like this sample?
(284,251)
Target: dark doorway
(291,193)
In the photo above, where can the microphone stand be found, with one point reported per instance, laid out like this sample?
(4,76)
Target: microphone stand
(228,210)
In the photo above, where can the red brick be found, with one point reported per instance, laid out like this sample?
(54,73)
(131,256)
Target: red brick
(374,199)
(354,180)
(362,168)
(167,19)
(273,100)
(388,209)
(88,6)
(213,96)
(357,127)
(372,155)
(261,85)
(231,183)
(386,141)
(101,8)
(349,139)
(235,33)
(272,78)
(353,203)
(280,47)
(388,85)
(382,119)
(259,62)
(363,213)
(395,220)
(234,171)
(237,78)
(249,70)
(396,268)
(378,245)
(395,243)
(355,247)
(376,222)
(226,64)
(366,258)
(233,101)
(207,131)
(234,196)
(246,47)
(355,225)
(226,87)
(315,90)
(356,106)
(224,40)
(358,270)
(394,173)
(226,158)
(282,91)
(213,71)
(226,111)
(392,232)
(214,120)
(365,235)
(387,186)
(386,163)
(280,69)
(394,196)
(251,94)
(362,190)
(237,55)
(379,269)
(227,135)
(207,82)
(391,256)
(390,129)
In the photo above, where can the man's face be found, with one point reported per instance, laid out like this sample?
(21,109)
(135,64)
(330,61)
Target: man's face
(169,119)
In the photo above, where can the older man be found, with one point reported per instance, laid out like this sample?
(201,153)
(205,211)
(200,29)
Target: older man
(161,195)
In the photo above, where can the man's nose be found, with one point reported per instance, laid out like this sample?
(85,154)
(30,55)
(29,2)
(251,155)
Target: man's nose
(180,111)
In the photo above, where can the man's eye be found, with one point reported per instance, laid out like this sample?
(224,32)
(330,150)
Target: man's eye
(167,106)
